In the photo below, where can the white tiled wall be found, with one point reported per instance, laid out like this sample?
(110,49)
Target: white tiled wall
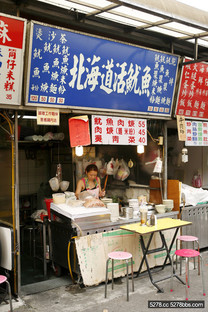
(32,172)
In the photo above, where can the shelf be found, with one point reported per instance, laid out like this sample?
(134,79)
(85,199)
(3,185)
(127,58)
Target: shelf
(143,186)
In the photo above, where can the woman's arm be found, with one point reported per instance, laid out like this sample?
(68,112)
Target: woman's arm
(101,193)
(80,187)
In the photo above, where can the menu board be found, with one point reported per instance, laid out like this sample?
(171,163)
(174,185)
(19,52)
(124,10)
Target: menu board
(196,133)
(12,38)
(77,70)
(193,93)
(119,131)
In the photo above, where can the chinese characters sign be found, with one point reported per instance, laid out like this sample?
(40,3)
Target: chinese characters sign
(48,116)
(119,131)
(77,70)
(196,133)
(181,126)
(12,33)
(193,95)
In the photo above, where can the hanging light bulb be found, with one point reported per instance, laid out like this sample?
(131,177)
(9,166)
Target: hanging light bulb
(140,149)
(79,150)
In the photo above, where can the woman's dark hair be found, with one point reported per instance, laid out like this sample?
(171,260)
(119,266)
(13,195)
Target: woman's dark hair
(91,167)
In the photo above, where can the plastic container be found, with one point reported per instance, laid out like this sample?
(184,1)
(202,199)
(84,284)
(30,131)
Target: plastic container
(59,198)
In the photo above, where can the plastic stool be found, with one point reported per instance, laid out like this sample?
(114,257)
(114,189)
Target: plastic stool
(187,253)
(188,238)
(119,255)
(3,279)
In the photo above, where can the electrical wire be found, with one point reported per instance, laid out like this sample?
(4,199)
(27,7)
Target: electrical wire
(68,258)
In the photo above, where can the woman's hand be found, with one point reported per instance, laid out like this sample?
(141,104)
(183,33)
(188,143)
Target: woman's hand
(102,193)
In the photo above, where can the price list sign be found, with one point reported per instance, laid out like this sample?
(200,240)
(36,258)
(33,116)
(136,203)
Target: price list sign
(118,131)
(196,133)
(193,93)
(12,36)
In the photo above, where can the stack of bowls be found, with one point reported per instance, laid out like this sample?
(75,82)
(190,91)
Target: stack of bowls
(160,208)
(169,204)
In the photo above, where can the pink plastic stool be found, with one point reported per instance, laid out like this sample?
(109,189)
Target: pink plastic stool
(3,279)
(187,253)
(119,255)
(188,238)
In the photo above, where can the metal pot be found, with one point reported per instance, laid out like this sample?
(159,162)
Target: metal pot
(128,212)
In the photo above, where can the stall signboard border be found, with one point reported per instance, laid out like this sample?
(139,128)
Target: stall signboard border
(192,99)
(76,70)
(12,47)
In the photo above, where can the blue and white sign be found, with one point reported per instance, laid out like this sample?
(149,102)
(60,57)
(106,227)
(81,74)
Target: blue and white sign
(79,71)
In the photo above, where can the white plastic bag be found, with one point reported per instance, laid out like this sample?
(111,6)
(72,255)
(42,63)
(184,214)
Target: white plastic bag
(123,171)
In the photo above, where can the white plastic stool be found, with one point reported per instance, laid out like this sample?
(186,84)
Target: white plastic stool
(119,255)
(3,279)
(188,238)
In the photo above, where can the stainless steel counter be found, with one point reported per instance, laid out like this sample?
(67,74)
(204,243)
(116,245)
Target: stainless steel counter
(88,227)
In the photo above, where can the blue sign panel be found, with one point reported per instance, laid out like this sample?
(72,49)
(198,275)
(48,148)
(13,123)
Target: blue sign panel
(79,71)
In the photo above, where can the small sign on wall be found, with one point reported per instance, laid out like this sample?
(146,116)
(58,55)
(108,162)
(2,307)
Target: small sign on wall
(48,116)
(181,125)
(79,131)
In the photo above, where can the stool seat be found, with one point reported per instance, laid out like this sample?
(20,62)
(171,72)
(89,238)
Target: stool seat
(120,255)
(188,253)
(187,238)
(2,279)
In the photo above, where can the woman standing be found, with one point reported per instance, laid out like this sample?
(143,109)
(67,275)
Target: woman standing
(90,183)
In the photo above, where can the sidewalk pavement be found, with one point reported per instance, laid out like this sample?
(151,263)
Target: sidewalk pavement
(73,298)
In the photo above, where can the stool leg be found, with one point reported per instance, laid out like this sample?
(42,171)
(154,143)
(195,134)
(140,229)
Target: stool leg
(112,273)
(176,255)
(132,274)
(106,277)
(10,296)
(202,265)
(198,258)
(127,279)
(181,265)
(186,285)
(188,275)
(172,269)
(194,257)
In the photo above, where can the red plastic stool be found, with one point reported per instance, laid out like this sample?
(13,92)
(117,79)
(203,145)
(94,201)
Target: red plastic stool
(119,255)
(187,253)
(188,238)
(3,279)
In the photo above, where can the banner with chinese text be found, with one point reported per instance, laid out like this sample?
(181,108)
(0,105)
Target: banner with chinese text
(196,133)
(77,70)
(119,131)
(12,41)
(193,93)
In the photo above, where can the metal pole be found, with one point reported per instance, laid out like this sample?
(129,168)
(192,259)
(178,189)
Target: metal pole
(17,214)
(165,156)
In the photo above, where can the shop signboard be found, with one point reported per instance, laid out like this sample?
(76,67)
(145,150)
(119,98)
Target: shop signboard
(193,92)
(196,133)
(12,42)
(75,70)
(119,130)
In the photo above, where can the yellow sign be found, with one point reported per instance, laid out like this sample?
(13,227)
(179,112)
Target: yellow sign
(48,116)
(181,125)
